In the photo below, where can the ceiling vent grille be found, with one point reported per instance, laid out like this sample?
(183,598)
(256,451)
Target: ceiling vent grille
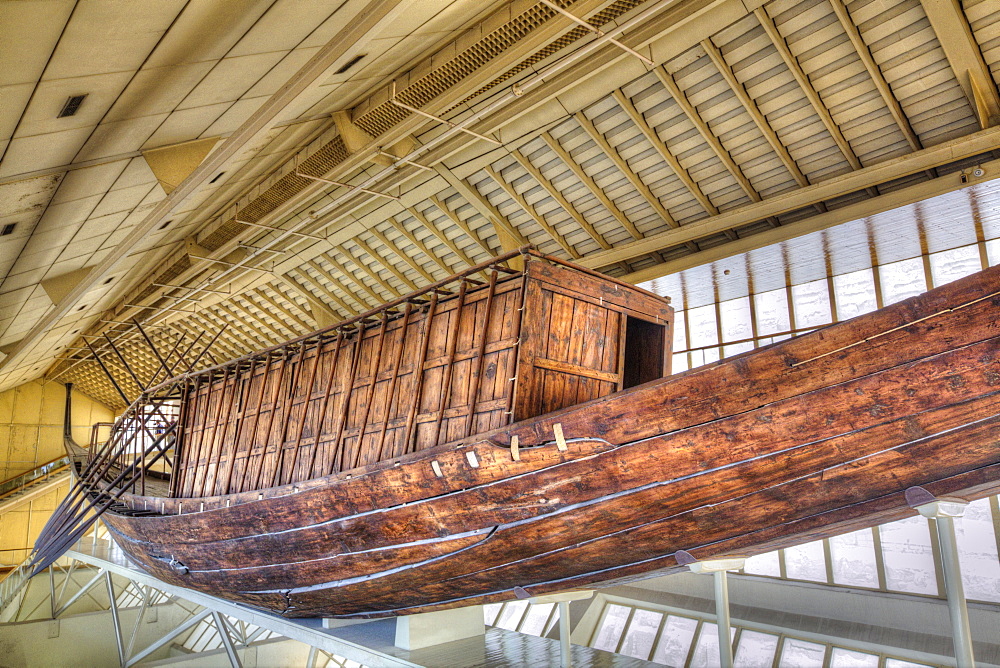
(72,105)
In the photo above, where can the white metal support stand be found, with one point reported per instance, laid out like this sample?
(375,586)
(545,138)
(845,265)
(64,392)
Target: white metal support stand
(563,598)
(564,632)
(719,568)
(943,512)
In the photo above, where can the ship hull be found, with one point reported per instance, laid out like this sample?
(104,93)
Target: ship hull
(808,438)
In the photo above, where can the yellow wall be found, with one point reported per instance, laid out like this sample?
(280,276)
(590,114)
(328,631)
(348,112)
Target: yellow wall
(21,522)
(31,417)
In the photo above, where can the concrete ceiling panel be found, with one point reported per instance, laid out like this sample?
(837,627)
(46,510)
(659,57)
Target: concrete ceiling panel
(13,100)
(285,25)
(135,173)
(281,72)
(231,78)
(206,30)
(42,115)
(110,36)
(68,214)
(120,137)
(124,200)
(28,154)
(89,181)
(235,116)
(186,125)
(25,51)
(158,90)
(27,196)
(99,226)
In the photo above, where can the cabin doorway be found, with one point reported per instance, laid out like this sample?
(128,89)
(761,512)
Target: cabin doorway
(645,352)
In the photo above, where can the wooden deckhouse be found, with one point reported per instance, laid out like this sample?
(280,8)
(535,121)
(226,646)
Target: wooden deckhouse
(441,365)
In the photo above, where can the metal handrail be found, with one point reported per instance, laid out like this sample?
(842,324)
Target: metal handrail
(13,582)
(44,471)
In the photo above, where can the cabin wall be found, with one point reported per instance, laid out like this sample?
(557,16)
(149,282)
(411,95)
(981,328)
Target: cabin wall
(575,337)
(407,380)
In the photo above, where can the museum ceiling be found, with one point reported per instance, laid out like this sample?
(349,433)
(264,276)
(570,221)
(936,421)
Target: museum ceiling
(248,172)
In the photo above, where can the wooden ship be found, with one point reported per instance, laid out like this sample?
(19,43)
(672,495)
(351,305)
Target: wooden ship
(519,433)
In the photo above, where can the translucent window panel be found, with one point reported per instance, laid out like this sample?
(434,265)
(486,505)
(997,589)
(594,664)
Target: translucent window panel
(811,304)
(702,326)
(909,560)
(853,559)
(735,314)
(854,293)
(680,330)
(490,612)
(737,348)
(641,634)
(993,251)
(806,562)
(763,564)
(612,626)
(846,658)
(756,650)
(675,641)
(534,620)
(801,654)
(901,280)
(951,265)
(772,312)
(706,651)
(899,663)
(977,552)
(511,615)
(679,361)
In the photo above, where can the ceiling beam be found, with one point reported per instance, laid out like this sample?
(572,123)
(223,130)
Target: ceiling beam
(960,48)
(461,224)
(349,275)
(560,199)
(754,111)
(902,122)
(590,183)
(364,304)
(868,207)
(706,133)
(306,327)
(510,237)
(433,229)
(317,306)
(928,158)
(792,63)
(400,276)
(611,152)
(375,15)
(419,246)
(654,139)
(530,210)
